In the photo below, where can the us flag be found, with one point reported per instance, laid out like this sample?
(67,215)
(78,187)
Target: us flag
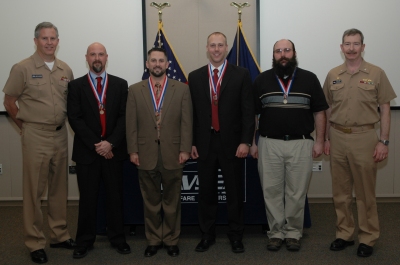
(175,70)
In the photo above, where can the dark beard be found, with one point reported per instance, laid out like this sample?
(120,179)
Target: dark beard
(153,73)
(284,70)
(97,69)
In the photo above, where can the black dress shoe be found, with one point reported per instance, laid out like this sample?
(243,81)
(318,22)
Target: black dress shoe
(237,246)
(122,248)
(81,252)
(173,251)
(204,245)
(39,256)
(69,244)
(151,250)
(340,244)
(364,250)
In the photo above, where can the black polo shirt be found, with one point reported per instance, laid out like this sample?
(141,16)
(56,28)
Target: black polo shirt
(296,117)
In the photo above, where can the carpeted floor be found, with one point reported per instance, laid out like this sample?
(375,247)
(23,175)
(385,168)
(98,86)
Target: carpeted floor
(314,250)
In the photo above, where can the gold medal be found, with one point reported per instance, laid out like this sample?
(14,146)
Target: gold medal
(284,101)
(101,112)
(215,102)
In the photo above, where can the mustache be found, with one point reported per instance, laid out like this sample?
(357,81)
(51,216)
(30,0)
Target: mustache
(282,59)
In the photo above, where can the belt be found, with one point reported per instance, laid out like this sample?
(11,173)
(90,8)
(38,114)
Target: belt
(214,131)
(289,137)
(352,129)
(45,127)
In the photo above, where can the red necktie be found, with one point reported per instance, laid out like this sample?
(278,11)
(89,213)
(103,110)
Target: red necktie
(214,104)
(99,90)
(102,109)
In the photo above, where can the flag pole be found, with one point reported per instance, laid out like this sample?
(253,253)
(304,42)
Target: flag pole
(159,6)
(239,7)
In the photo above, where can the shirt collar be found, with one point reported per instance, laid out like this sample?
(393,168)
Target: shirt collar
(364,67)
(93,75)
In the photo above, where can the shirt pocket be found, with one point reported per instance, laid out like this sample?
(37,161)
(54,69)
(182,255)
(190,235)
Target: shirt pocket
(338,93)
(63,87)
(367,92)
(35,88)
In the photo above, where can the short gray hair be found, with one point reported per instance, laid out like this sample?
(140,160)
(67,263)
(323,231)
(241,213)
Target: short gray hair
(352,32)
(44,25)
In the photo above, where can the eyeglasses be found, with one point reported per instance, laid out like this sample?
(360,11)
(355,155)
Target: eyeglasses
(355,44)
(285,50)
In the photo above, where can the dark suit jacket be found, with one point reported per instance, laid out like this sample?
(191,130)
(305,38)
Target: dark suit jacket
(84,118)
(176,125)
(235,109)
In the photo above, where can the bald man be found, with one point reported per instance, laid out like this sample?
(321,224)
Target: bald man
(96,113)
(290,101)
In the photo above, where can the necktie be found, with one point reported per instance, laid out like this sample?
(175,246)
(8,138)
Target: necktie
(102,109)
(158,115)
(99,90)
(158,91)
(214,105)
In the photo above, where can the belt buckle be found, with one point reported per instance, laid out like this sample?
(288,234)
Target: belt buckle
(286,137)
(346,130)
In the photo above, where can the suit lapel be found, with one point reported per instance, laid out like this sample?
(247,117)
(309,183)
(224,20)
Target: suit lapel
(169,93)
(147,98)
(225,79)
(91,98)
(204,79)
(110,96)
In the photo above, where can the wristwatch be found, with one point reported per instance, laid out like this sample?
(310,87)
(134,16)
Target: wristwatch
(385,142)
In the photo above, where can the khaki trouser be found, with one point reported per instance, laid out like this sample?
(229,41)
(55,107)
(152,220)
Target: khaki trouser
(45,159)
(353,166)
(285,171)
(161,230)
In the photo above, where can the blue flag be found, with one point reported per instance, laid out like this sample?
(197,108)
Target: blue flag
(241,55)
(175,70)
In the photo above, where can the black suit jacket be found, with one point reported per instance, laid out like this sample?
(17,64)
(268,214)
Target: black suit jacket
(235,109)
(84,118)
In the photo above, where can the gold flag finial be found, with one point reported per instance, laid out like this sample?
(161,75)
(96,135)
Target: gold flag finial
(240,6)
(160,6)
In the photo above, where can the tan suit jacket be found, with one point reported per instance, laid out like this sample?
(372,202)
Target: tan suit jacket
(176,124)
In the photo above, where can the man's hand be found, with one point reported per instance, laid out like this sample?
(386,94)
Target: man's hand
(103,148)
(381,152)
(318,149)
(109,155)
(254,151)
(242,150)
(134,158)
(327,147)
(183,157)
(194,154)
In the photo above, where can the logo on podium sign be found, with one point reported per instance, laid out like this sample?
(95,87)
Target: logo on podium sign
(190,184)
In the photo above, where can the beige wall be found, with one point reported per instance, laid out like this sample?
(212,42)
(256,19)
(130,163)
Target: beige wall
(187,25)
